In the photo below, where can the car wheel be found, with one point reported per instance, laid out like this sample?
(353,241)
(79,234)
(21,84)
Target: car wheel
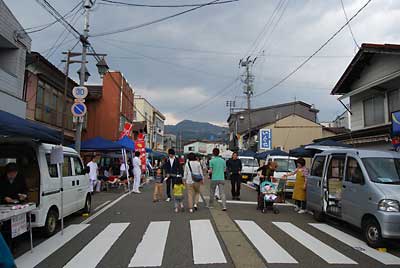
(373,234)
(88,204)
(51,223)
(319,216)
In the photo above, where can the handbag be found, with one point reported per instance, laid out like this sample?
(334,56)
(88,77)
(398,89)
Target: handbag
(195,177)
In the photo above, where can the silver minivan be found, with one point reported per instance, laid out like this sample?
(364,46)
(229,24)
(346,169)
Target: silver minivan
(360,187)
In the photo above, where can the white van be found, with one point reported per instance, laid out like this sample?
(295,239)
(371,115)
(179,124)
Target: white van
(249,167)
(361,187)
(43,183)
(286,165)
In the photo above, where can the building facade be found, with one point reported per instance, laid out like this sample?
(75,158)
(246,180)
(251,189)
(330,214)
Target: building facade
(109,107)
(169,141)
(371,84)
(145,112)
(204,147)
(44,95)
(292,124)
(14,44)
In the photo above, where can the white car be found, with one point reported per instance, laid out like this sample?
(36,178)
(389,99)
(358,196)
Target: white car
(249,167)
(43,182)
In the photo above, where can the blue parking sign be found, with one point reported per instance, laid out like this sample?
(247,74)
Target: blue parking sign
(265,139)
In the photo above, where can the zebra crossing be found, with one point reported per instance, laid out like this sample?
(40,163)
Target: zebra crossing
(206,247)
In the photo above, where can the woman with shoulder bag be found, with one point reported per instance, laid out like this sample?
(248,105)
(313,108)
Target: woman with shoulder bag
(193,176)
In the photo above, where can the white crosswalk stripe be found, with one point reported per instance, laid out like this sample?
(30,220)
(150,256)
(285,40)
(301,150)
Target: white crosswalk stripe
(92,254)
(266,245)
(206,247)
(48,247)
(322,250)
(357,244)
(153,244)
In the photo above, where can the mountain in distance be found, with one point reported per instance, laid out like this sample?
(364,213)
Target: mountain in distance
(191,130)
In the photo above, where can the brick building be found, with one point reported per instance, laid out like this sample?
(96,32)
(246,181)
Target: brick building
(109,105)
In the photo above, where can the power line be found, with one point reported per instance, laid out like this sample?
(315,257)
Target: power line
(316,52)
(152,22)
(34,29)
(166,6)
(348,24)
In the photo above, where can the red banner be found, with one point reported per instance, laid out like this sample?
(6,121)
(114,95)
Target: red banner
(127,130)
(140,145)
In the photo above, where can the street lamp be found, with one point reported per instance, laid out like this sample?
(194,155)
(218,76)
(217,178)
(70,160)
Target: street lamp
(102,67)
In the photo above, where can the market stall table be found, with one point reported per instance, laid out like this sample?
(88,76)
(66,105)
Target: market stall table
(13,213)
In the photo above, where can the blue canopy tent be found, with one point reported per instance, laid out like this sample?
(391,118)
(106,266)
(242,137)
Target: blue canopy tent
(247,153)
(14,126)
(157,155)
(301,152)
(100,144)
(127,143)
(275,152)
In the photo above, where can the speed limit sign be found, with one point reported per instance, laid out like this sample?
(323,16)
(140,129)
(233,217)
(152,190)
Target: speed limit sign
(80,92)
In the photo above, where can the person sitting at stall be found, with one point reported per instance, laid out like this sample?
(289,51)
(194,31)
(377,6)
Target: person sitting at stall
(13,190)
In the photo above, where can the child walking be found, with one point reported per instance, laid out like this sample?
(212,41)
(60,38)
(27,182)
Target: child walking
(178,193)
(158,186)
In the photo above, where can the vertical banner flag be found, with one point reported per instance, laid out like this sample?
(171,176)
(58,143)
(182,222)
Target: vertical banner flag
(265,139)
(140,145)
(126,131)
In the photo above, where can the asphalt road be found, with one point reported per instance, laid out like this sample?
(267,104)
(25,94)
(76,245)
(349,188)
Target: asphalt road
(133,231)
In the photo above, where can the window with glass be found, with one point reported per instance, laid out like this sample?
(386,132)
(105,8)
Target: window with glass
(51,167)
(285,165)
(317,168)
(374,110)
(353,171)
(383,170)
(336,168)
(77,166)
(393,101)
(67,169)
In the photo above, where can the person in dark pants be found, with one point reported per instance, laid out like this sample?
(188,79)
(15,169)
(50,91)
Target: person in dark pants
(13,190)
(234,167)
(172,169)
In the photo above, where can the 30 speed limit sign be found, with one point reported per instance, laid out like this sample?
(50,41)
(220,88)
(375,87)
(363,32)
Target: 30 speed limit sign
(80,92)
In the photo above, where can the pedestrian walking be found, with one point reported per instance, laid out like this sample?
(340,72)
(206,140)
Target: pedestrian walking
(300,185)
(93,175)
(137,172)
(193,177)
(234,168)
(178,193)
(158,185)
(265,173)
(172,169)
(217,171)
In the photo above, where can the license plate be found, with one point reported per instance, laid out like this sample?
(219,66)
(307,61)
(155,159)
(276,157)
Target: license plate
(245,177)
(290,183)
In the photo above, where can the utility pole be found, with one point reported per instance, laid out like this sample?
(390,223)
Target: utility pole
(248,79)
(84,37)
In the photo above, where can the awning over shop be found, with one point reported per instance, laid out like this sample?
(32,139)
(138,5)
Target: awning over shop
(100,144)
(14,126)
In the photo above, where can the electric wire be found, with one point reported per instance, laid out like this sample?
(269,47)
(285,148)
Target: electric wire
(313,54)
(126,29)
(166,6)
(350,29)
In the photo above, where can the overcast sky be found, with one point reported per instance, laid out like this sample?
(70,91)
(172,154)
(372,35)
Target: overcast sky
(189,60)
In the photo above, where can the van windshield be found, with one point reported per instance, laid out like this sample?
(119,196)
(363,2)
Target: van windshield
(383,170)
(249,162)
(285,165)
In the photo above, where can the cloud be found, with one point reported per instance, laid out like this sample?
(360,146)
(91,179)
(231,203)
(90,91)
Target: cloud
(182,62)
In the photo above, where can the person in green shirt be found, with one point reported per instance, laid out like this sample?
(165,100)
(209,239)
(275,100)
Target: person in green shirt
(217,171)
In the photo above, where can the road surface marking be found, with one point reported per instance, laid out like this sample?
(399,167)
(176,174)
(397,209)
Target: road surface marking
(102,205)
(104,209)
(361,246)
(266,245)
(48,247)
(206,247)
(150,251)
(91,255)
(322,250)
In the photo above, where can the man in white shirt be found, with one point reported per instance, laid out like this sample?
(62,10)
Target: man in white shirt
(137,172)
(93,173)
